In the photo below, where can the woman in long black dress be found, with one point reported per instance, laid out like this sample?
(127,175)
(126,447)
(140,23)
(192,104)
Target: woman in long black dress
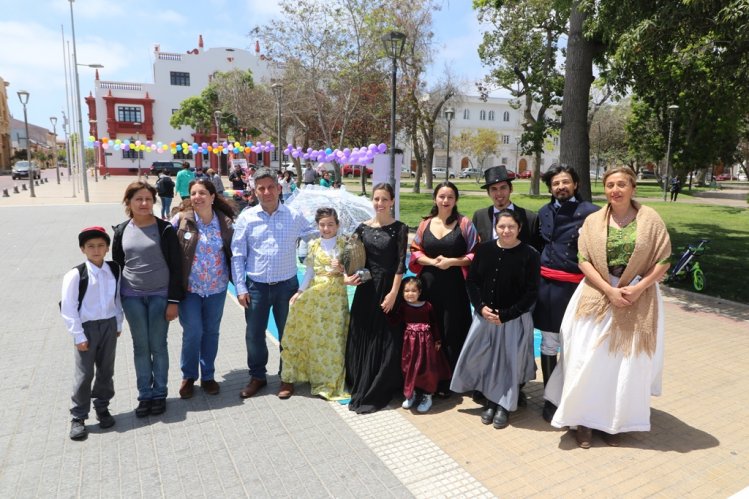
(441,252)
(373,347)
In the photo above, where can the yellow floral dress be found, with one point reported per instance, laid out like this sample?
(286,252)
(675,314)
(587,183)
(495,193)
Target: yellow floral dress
(314,340)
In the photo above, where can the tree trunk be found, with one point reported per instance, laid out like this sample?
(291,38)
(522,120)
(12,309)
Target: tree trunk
(575,144)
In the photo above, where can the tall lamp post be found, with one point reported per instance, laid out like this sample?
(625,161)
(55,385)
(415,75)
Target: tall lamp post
(671,112)
(217,119)
(449,115)
(137,124)
(78,104)
(394,42)
(278,92)
(23,96)
(53,120)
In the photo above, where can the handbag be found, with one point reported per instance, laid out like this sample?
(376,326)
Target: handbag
(354,256)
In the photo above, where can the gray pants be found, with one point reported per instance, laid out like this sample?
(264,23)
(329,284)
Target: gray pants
(102,344)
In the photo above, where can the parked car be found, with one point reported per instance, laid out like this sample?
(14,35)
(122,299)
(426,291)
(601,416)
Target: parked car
(407,172)
(351,171)
(21,170)
(525,174)
(723,176)
(646,174)
(440,173)
(171,166)
(470,173)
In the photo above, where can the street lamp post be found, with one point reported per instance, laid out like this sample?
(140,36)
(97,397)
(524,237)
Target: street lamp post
(449,115)
(671,112)
(278,92)
(517,154)
(394,42)
(137,124)
(217,119)
(23,96)
(53,120)
(78,104)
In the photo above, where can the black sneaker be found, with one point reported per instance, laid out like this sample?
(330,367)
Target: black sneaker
(143,409)
(158,406)
(105,418)
(78,429)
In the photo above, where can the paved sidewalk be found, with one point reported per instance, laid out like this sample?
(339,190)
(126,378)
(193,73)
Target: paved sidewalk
(306,447)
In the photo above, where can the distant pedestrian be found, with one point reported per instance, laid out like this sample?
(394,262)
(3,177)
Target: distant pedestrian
(308,176)
(217,182)
(94,320)
(184,177)
(675,188)
(236,177)
(325,180)
(165,188)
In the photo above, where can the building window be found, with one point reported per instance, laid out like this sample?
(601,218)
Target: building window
(131,114)
(506,116)
(504,161)
(556,141)
(179,78)
(482,115)
(466,114)
(491,115)
(131,154)
(181,155)
(505,139)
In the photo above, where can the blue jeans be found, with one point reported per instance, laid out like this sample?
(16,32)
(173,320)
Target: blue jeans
(166,204)
(200,318)
(263,297)
(146,316)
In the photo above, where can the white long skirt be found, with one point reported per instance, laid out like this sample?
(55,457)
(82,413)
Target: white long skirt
(599,389)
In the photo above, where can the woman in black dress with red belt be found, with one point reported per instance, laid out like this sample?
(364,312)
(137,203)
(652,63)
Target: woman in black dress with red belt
(441,252)
(373,347)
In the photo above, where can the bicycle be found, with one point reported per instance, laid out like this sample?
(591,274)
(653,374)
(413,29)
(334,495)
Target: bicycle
(689,266)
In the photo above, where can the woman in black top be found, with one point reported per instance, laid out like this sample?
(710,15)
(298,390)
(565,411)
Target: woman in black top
(498,354)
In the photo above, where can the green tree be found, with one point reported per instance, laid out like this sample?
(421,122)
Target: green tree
(521,51)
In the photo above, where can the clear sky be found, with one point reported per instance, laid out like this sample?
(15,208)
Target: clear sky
(121,37)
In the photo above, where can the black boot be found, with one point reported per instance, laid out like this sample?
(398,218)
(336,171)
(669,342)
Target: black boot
(548,363)
(488,415)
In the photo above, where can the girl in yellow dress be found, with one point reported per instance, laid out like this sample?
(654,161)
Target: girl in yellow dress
(314,341)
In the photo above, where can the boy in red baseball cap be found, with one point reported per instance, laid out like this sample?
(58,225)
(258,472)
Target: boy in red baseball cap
(92,312)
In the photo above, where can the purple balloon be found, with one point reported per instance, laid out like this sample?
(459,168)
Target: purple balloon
(295,154)
(372,147)
(304,156)
(382,148)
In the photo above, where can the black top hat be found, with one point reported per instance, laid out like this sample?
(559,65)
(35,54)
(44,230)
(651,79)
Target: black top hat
(495,174)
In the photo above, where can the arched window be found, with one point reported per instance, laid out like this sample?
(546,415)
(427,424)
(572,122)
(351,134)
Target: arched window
(506,116)
(482,115)
(491,115)
(466,114)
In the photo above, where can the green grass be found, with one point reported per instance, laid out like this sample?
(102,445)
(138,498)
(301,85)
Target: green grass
(725,263)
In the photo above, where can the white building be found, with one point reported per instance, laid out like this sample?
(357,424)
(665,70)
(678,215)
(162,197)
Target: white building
(141,111)
(496,113)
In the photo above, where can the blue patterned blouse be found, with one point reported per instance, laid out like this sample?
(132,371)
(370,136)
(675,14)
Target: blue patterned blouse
(209,268)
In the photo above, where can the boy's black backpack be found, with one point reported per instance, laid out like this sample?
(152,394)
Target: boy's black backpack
(165,186)
(83,280)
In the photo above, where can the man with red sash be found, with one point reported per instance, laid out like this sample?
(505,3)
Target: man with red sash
(559,224)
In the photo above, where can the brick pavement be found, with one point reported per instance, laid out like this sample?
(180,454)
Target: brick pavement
(305,447)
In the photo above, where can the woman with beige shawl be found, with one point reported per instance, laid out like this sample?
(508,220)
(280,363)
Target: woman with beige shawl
(612,331)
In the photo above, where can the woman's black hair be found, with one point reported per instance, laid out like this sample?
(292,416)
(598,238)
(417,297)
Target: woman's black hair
(509,213)
(455,213)
(220,203)
(384,186)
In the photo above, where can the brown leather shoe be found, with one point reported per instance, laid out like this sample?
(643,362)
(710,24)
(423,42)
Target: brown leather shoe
(583,436)
(612,439)
(210,386)
(186,388)
(252,387)
(286,390)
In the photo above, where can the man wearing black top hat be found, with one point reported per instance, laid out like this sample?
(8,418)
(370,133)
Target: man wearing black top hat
(498,186)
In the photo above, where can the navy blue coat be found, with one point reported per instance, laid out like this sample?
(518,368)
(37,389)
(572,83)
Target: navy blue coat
(558,232)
